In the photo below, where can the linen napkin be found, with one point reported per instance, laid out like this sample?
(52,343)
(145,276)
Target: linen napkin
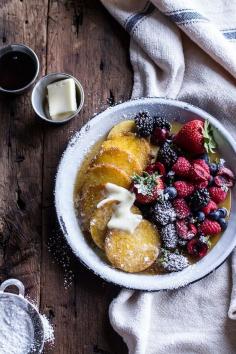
(184,50)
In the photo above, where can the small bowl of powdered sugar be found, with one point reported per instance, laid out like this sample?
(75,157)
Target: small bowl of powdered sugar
(22,327)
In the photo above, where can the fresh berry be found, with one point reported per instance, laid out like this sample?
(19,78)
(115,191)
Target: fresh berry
(210,227)
(223,224)
(223,212)
(169,236)
(170,192)
(225,177)
(182,242)
(184,189)
(147,188)
(170,177)
(199,173)
(213,168)
(199,199)
(163,213)
(144,124)
(185,230)
(203,164)
(218,194)
(167,154)
(211,206)
(161,122)
(182,167)
(195,137)
(173,261)
(181,208)
(214,215)
(159,136)
(200,216)
(197,248)
(156,167)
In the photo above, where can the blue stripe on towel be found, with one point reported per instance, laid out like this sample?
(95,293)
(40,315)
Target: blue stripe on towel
(133,20)
(229,34)
(186,16)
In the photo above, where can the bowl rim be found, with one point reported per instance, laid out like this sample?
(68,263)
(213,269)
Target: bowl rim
(150,100)
(78,84)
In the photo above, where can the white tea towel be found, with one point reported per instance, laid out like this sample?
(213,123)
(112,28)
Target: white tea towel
(185,50)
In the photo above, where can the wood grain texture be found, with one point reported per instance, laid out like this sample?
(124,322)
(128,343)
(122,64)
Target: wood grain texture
(81,38)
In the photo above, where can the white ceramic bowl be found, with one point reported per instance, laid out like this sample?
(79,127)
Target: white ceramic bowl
(71,161)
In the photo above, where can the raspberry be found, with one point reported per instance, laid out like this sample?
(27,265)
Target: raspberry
(218,194)
(203,164)
(182,167)
(185,231)
(197,248)
(184,189)
(211,206)
(210,227)
(169,236)
(201,185)
(144,124)
(199,173)
(173,262)
(199,199)
(181,208)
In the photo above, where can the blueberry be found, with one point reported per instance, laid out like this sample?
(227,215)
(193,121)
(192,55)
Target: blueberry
(171,192)
(213,168)
(170,177)
(211,181)
(223,212)
(204,157)
(214,215)
(200,216)
(223,223)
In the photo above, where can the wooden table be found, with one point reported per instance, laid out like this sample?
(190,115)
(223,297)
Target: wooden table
(81,38)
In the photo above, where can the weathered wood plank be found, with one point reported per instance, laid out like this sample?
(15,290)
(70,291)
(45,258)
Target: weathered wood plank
(21,155)
(85,41)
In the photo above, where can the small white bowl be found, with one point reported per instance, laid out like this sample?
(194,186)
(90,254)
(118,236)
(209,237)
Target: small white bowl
(39,96)
(71,161)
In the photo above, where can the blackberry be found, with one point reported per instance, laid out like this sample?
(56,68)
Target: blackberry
(144,124)
(199,199)
(182,242)
(173,262)
(169,236)
(161,122)
(167,154)
(163,213)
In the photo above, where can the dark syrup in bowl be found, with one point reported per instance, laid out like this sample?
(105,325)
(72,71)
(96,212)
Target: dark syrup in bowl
(17,70)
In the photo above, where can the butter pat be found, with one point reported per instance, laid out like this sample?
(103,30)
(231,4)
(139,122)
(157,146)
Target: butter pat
(62,99)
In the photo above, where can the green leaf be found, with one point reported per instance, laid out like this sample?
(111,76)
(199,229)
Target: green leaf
(209,141)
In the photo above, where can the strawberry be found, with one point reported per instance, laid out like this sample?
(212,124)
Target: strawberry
(184,189)
(218,194)
(182,167)
(211,206)
(184,230)
(197,248)
(181,208)
(203,164)
(147,188)
(198,173)
(196,137)
(156,167)
(210,227)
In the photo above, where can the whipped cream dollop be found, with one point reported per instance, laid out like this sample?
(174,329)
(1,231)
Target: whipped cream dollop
(122,217)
